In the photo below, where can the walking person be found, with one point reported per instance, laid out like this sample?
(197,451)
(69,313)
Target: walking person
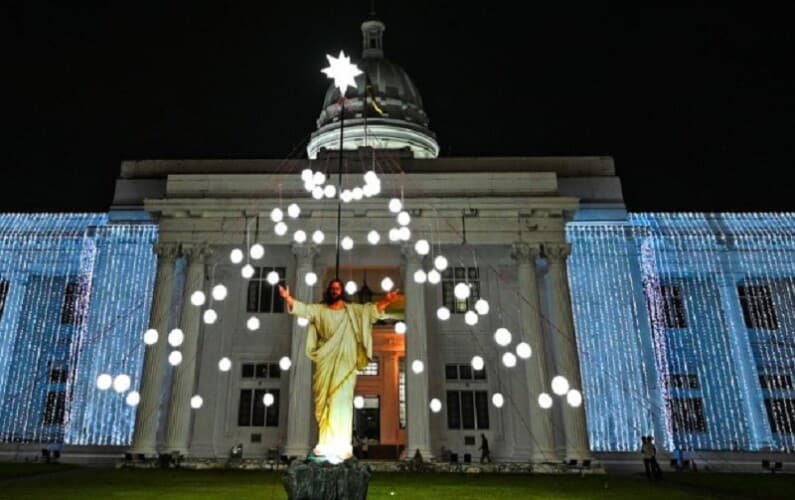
(655,466)
(647,450)
(485,453)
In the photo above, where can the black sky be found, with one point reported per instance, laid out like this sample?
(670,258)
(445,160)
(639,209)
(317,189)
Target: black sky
(696,105)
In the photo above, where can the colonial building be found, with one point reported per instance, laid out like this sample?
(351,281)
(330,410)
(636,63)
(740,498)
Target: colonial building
(674,325)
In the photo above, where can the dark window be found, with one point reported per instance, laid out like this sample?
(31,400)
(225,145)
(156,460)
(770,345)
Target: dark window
(73,310)
(479,374)
(775,381)
(58,375)
(252,410)
(687,414)
(450,278)
(3,295)
(758,308)
(274,371)
(465,372)
(467,410)
(451,372)
(781,415)
(262,296)
(247,370)
(689,381)
(55,408)
(673,306)
(261,370)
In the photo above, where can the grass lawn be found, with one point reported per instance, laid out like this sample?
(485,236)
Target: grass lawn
(23,481)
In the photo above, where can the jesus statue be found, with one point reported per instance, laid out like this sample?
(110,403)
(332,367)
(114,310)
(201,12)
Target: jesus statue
(340,341)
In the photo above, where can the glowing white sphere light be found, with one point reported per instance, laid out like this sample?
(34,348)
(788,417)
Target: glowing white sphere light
(403,218)
(440,262)
(133,398)
(317,193)
(225,364)
(462,291)
(435,405)
(358,402)
(417,366)
(509,359)
(151,336)
(574,398)
(256,251)
(358,193)
(293,210)
(346,196)
(394,234)
(346,243)
(210,316)
(370,177)
(247,271)
(560,385)
(443,313)
(174,358)
(471,318)
(373,237)
(422,247)
(176,337)
(268,399)
(400,327)
(197,298)
(196,402)
(302,322)
(351,287)
(310,278)
(280,229)
(299,236)
(545,401)
(497,400)
(502,336)
(277,215)
(252,323)
(478,363)
(420,276)
(395,205)
(219,292)
(121,383)
(387,284)
(319,178)
(482,307)
(236,256)
(329,191)
(306,175)
(434,276)
(272,277)
(318,236)
(285,363)
(404,233)
(523,350)
(104,381)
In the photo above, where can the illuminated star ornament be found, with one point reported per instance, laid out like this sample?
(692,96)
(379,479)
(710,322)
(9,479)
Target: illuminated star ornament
(342,71)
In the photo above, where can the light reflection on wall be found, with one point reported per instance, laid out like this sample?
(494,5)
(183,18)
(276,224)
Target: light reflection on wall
(695,384)
(78,296)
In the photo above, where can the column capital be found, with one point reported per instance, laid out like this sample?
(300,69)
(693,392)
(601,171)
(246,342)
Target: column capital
(196,252)
(525,253)
(304,253)
(411,257)
(557,253)
(165,250)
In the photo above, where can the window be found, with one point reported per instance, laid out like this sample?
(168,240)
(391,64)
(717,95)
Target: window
(260,370)
(673,306)
(73,310)
(3,295)
(758,308)
(402,392)
(775,381)
(251,410)
(58,375)
(687,414)
(463,372)
(683,381)
(55,408)
(781,415)
(262,296)
(371,370)
(467,410)
(450,278)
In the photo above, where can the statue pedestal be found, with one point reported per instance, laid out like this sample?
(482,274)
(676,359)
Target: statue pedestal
(308,480)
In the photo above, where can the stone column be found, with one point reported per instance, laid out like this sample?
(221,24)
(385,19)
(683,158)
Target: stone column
(184,380)
(567,360)
(536,373)
(147,414)
(300,417)
(418,424)
(10,319)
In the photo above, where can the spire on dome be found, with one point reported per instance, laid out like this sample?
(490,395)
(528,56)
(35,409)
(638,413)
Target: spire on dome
(373,36)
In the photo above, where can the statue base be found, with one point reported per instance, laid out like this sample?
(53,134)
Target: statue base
(311,480)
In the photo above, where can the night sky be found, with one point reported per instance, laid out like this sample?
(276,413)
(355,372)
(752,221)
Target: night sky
(696,105)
